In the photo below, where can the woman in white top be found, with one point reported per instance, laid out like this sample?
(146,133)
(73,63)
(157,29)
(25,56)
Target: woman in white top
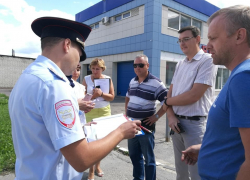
(79,90)
(101,99)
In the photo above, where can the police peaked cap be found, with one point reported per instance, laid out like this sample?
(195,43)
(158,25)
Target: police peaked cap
(62,28)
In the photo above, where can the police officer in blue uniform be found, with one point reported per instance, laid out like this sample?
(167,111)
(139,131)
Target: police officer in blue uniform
(48,138)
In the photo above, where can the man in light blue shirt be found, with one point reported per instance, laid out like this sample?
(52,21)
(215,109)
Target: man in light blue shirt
(48,138)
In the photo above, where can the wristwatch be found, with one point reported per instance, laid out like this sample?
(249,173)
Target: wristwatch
(165,102)
(157,116)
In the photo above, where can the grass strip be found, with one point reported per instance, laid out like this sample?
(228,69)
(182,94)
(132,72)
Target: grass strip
(7,153)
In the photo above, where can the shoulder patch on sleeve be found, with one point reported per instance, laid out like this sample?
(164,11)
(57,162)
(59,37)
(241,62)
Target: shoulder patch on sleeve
(65,113)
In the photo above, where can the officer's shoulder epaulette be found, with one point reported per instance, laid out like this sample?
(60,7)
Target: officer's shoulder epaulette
(55,73)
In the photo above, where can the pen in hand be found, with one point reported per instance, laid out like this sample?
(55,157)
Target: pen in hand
(145,129)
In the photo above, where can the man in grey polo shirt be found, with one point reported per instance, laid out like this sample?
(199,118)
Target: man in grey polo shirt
(190,97)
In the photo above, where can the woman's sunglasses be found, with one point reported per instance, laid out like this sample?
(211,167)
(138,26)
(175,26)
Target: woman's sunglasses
(140,65)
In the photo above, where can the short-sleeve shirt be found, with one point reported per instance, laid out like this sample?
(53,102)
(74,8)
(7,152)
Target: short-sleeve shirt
(45,118)
(222,152)
(79,90)
(143,96)
(198,70)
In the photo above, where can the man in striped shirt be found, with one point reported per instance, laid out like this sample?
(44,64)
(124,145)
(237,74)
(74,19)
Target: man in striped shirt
(191,95)
(143,92)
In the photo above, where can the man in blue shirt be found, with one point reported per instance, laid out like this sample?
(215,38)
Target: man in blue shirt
(225,150)
(47,134)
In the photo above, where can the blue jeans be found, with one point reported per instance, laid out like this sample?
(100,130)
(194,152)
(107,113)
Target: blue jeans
(138,146)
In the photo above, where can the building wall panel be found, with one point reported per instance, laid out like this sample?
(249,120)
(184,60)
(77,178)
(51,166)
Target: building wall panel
(131,26)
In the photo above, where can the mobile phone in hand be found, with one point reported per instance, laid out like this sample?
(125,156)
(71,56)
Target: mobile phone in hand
(87,97)
(180,127)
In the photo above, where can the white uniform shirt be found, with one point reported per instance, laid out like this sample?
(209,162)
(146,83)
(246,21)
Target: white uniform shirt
(44,116)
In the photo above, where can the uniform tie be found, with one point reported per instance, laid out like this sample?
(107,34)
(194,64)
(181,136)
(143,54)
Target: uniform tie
(70,80)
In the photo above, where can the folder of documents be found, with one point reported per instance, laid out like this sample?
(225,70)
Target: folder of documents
(104,126)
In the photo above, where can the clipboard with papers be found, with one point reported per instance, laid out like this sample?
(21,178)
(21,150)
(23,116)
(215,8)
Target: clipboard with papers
(103,83)
(104,126)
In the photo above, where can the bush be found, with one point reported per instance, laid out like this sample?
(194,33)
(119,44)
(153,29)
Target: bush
(7,153)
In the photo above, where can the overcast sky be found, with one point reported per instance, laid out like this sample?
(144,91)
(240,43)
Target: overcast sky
(16,17)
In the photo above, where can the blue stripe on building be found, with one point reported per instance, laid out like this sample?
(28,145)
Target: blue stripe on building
(99,8)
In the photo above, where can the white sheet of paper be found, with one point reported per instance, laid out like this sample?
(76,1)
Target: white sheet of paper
(90,133)
(104,126)
(107,124)
(103,83)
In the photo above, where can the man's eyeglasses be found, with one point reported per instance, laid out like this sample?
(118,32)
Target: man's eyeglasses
(140,65)
(184,40)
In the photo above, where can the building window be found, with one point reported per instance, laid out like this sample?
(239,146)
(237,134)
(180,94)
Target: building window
(221,78)
(185,21)
(126,15)
(173,20)
(118,18)
(178,21)
(170,68)
(123,16)
(94,26)
(196,23)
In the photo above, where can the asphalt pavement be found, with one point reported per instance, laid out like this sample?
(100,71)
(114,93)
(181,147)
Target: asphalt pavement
(117,165)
